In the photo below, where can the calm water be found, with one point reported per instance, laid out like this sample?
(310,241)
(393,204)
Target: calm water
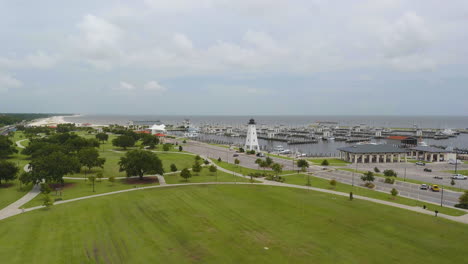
(321,148)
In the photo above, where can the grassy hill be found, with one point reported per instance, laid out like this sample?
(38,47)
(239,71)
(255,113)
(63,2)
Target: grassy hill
(229,224)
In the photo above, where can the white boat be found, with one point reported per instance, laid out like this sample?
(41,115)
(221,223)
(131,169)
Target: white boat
(448,132)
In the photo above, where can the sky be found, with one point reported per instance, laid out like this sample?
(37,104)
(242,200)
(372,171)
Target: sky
(239,57)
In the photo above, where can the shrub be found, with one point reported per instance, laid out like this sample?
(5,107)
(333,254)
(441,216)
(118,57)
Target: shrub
(219,159)
(376,170)
(390,173)
(258,175)
(333,183)
(325,163)
(394,192)
(463,206)
(241,150)
(389,180)
(180,148)
(206,162)
(185,141)
(275,178)
(369,185)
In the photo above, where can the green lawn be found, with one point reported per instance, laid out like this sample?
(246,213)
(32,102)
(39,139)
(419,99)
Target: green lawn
(301,179)
(205,176)
(332,162)
(279,156)
(81,188)
(229,224)
(244,170)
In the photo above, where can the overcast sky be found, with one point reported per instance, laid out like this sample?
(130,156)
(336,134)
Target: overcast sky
(239,57)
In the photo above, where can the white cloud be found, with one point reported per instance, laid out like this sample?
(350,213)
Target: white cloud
(154,86)
(38,60)
(7,82)
(125,86)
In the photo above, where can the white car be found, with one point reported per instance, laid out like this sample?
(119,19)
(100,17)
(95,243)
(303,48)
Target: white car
(459,177)
(423,186)
(453,162)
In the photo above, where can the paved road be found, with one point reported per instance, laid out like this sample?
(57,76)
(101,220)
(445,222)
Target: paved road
(405,189)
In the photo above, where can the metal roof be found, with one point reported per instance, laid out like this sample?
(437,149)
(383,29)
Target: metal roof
(373,148)
(430,149)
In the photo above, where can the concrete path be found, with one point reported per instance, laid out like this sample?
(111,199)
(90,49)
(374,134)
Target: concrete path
(161,180)
(14,208)
(18,143)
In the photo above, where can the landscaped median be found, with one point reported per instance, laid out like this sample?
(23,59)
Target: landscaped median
(246,171)
(302,179)
(205,176)
(331,161)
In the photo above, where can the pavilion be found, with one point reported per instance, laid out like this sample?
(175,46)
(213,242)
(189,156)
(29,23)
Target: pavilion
(431,154)
(373,153)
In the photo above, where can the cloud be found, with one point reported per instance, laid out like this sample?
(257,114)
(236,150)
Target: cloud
(38,60)
(154,86)
(7,82)
(125,86)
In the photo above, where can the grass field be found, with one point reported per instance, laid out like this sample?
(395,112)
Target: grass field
(229,224)
(301,179)
(332,162)
(244,170)
(81,188)
(205,176)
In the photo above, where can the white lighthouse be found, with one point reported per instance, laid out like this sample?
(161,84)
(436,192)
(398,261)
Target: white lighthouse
(251,142)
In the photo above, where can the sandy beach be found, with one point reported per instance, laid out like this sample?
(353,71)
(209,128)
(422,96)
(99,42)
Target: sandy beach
(50,121)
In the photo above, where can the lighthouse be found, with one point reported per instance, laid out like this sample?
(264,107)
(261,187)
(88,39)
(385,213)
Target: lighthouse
(251,142)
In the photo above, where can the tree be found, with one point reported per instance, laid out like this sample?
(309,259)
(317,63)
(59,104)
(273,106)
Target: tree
(258,162)
(268,161)
(6,147)
(206,162)
(123,141)
(237,161)
(8,171)
(219,159)
(303,164)
(196,167)
(394,192)
(277,168)
(184,141)
(99,176)
(111,179)
(241,150)
(53,167)
(181,148)
(173,167)
(47,201)
(263,164)
(92,179)
(102,137)
(197,158)
(25,178)
(452,182)
(139,162)
(333,183)
(89,158)
(149,140)
(463,199)
(213,169)
(186,174)
(376,170)
(325,162)
(166,147)
(368,177)
(390,173)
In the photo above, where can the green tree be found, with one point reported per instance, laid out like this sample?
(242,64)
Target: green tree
(139,162)
(149,140)
(206,162)
(53,167)
(376,170)
(167,147)
(463,199)
(333,183)
(390,173)
(47,201)
(196,167)
(89,158)
(173,167)
(268,161)
(186,174)
(102,137)
(25,178)
(213,169)
(8,171)
(6,147)
(368,177)
(99,176)
(325,163)
(219,159)
(181,148)
(277,168)
(452,182)
(303,164)
(394,192)
(111,179)
(237,161)
(258,162)
(197,158)
(92,179)
(123,141)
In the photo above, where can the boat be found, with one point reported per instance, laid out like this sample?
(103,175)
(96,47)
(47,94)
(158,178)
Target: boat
(279,148)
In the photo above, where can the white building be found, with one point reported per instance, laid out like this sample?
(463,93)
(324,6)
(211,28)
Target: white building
(251,142)
(155,129)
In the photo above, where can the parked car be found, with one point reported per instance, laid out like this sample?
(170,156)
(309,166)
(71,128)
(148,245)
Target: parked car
(427,169)
(235,155)
(260,154)
(435,188)
(453,162)
(420,163)
(423,186)
(438,177)
(459,177)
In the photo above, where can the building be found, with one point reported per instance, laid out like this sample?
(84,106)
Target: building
(251,141)
(157,129)
(371,153)
(402,140)
(431,154)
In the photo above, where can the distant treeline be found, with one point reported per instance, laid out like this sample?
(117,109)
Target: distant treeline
(12,118)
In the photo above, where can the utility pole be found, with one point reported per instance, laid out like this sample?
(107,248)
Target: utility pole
(456,162)
(442,197)
(405,173)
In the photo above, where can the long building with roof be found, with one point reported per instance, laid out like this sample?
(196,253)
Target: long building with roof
(373,153)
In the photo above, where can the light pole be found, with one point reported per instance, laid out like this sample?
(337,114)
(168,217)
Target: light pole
(442,197)
(456,162)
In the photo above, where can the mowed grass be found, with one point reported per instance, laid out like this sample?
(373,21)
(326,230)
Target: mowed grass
(245,171)
(80,188)
(205,176)
(332,162)
(301,179)
(229,224)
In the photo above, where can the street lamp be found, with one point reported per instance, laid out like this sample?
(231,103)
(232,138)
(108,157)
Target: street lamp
(442,197)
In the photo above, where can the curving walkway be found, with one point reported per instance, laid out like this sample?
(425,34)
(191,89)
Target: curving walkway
(18,143)
(13,209)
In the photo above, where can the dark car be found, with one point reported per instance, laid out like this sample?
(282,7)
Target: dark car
(427,169)
(235,155)
(438,177)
